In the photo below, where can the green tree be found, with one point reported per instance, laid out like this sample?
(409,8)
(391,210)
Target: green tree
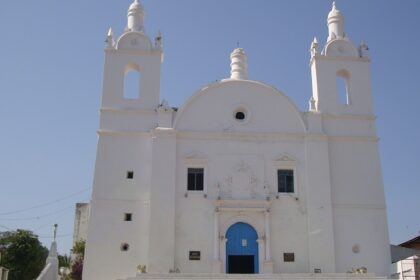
(22,253)
(64,261)
(64,265)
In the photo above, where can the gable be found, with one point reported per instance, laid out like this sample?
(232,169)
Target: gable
(239,106)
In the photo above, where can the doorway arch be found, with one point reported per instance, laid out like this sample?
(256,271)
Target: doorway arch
(241,249)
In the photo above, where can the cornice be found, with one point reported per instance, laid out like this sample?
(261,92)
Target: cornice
(101,132)
(247,137)
(127,110)
(358,206)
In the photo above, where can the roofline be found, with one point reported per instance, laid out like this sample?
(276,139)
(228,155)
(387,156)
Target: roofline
(415,239)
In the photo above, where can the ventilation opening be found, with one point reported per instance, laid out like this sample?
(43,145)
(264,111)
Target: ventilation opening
(240,115)
(124,247)
(343,94)
(132,84)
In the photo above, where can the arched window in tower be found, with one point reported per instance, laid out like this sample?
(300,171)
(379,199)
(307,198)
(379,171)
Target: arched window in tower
(132,82)
(343,90)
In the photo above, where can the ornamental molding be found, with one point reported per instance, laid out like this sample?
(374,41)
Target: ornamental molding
(285,160)
(240,183)
(195,157)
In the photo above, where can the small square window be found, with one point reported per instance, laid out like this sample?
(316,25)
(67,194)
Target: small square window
(130,174)
(124,247)
(195,179)
(285,180)
(289,257)
(128,217)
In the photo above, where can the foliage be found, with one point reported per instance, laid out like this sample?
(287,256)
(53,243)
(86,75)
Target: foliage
(79,248)
(77,266)
(66,277)
(22,253)
(64,261)
(77,269)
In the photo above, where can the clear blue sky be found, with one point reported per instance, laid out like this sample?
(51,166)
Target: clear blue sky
(51,59)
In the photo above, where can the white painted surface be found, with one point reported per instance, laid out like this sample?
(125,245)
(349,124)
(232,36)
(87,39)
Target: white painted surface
(338,200)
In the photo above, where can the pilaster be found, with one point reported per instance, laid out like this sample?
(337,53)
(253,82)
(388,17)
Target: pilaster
(319,204)
(162,212)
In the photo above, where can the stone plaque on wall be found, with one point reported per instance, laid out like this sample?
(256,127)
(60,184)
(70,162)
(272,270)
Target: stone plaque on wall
(195,255)
(289,257)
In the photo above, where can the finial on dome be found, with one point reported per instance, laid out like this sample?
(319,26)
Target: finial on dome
(335,23)
(135,17)
(238,65)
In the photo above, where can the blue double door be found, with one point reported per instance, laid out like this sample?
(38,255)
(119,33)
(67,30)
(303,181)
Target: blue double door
(242,249)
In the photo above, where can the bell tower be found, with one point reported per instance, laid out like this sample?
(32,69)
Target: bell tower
(132,52)
(120,206)
(341,110)
(340,72)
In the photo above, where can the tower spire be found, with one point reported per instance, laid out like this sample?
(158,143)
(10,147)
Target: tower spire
(135,17)
(335,24)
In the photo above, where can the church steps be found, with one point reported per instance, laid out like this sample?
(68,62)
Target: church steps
(297,276)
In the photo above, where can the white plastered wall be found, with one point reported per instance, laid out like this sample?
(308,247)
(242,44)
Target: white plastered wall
(113,196)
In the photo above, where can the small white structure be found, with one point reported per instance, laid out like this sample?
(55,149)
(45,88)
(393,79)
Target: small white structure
(50,271)
(4,272)
(237,179)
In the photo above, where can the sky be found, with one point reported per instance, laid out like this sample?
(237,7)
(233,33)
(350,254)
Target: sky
(51,65)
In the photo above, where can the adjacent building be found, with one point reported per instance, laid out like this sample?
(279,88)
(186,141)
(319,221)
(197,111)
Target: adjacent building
(406,260)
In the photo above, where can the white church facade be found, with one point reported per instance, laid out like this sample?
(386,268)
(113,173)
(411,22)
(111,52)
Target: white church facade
(237,179)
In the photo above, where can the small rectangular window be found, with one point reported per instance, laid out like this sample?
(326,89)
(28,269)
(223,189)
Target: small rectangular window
(130,174)
(128,217)
(285,181)
(289,257)
(195,179)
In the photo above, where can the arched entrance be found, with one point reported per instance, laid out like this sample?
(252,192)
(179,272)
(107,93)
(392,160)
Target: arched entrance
(241,249)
